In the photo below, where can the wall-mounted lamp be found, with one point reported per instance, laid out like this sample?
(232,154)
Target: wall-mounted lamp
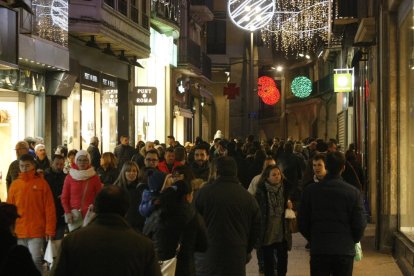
(122,56)
(135,62)
(108,50)
(202,101)
(92,43)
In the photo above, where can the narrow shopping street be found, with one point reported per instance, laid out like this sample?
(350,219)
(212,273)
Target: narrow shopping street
(373,263)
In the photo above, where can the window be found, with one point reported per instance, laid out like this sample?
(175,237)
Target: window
(216,37)
(406,127)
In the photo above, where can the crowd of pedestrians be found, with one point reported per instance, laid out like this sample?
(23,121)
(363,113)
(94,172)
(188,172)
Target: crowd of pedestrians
(197,209)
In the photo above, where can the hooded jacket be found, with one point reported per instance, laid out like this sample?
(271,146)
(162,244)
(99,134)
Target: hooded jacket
(34,200)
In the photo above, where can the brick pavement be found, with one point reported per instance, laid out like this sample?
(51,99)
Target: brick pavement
(373,263)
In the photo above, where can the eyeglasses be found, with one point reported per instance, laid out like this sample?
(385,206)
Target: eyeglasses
(151,159)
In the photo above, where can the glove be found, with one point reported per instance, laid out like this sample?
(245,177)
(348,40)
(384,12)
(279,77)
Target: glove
(68,218)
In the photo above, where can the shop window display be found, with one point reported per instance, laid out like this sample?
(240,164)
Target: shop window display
(406,171)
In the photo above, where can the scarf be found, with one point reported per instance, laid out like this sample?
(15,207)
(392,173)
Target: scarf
(83,174)
(275,199)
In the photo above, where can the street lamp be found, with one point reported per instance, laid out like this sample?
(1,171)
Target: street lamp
(251,15)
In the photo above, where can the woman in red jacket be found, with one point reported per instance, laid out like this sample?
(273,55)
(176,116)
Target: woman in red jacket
(80,188)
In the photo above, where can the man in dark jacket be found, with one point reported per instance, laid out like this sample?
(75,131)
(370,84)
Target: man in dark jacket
(124,152)
(200,167)
(94,152)
(332,219)
(55,177)
(22,147)
(232,217)
(108,246)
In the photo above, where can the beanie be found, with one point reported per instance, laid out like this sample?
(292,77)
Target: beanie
(82,153)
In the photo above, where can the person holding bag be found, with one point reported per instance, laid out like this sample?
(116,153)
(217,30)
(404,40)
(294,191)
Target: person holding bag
(79,190)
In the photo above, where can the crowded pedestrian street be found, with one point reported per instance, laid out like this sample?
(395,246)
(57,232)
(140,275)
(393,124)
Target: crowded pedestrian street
(206,137)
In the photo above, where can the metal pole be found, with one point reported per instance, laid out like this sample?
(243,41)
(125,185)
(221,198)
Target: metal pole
(251,86)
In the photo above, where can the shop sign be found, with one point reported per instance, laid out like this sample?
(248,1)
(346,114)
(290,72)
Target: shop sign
(110,96)
(22,81)
(343,80)
(90,78)
(108,82)
(145,95)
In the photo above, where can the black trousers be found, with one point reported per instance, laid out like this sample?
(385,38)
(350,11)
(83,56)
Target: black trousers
(331,265)
(269,258)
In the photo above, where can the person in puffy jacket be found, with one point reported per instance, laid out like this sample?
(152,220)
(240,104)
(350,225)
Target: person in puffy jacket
(81,186)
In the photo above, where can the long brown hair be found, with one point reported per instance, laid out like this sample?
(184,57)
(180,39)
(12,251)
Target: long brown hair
(266,173)
(121,181)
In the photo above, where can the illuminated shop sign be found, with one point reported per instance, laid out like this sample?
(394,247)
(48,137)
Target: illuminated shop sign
(343,80)
(90,78)
(23,81)
(51,20)
(145,95)
(110,96)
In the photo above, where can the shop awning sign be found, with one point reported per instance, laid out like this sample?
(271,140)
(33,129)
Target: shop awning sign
(144,95)
(343,80)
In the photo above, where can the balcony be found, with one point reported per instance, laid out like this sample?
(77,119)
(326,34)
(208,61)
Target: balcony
(201,10)
(190,54)
(166,17)
(111,21)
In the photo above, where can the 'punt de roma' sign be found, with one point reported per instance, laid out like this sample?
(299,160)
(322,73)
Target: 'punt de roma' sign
(145,95)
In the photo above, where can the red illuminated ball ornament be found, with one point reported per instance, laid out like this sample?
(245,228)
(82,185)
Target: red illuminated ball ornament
(267,90)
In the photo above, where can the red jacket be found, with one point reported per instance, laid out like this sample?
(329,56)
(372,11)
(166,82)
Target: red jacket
(73,191)
(162,166)
(34,200)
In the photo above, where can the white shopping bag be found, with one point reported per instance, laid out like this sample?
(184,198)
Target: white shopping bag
(51,250)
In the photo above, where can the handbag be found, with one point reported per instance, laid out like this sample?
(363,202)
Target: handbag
(291,221)
(90,215)
(358,252)
(77,219)
(168,266)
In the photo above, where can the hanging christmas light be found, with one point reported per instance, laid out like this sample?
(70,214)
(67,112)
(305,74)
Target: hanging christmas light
(251,15)
(272,99)
(301,87)
(299,26)
(267,90)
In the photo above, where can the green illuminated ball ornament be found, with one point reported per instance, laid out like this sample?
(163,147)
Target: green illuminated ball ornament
(301,87)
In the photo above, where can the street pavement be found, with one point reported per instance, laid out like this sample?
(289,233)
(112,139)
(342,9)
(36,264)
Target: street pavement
(372,264)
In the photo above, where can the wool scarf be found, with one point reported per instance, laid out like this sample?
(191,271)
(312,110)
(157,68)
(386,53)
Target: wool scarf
(82,174)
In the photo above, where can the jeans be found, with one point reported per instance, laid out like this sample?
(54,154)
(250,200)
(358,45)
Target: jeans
(335,265)
(35,246)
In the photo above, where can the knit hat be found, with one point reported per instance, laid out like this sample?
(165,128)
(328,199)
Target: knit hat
(155,180)
(218,135)
(82,153)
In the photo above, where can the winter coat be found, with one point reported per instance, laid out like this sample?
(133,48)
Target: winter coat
(108,176)
(123,153)
(232,217)
(201,171)
(34,200)
(262,200)
(107,247)
(73,190)
(162,166)
(12,173)
(42,164)
(15,259)
(331,217)
(133,217)
(55,181)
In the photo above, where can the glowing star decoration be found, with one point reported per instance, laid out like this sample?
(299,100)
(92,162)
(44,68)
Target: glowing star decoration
(267,90)
(251,15)
(301,87)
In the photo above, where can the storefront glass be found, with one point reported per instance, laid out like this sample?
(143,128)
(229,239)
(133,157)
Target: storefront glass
(150,121)
(71,119)
(91,116)
(12,129)
(406,82)
(109,119)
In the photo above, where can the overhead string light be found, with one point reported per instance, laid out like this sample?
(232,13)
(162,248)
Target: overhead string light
(299,26)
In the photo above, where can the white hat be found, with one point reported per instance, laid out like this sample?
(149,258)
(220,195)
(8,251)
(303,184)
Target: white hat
(218,135)
(82,153)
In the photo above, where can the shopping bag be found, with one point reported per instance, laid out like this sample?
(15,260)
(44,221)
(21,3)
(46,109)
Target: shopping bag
(90,215)
(77,220)
(51,251)
(168,267)
(290,214)
(358,252)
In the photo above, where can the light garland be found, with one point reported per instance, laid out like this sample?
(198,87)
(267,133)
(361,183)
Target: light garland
(301,87)
(299,26)
(51,20)
(267,90)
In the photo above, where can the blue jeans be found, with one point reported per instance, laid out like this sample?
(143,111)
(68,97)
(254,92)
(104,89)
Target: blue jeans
(35,246)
